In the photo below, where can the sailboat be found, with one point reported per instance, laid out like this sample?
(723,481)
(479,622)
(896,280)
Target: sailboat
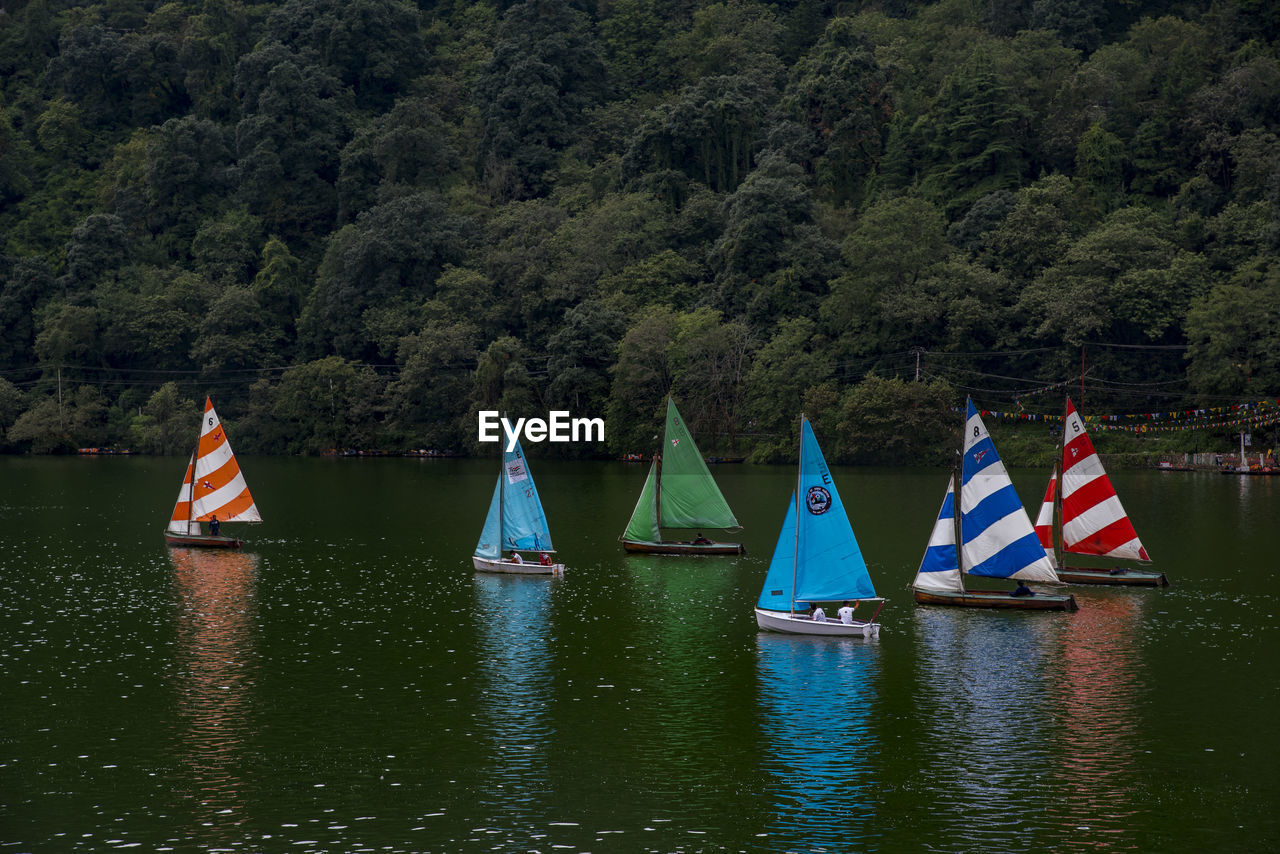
(213,490)
(515,523)
(981,512)
(817,558)
(1088,518)
(679,493)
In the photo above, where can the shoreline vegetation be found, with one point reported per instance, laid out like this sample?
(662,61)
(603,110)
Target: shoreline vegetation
(357,223)
(904,437)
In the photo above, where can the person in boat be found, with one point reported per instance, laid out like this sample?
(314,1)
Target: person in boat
(818,615)
(215,527)
(846,613)
(544,559)
(1022,590)
(515,557)
(701,540)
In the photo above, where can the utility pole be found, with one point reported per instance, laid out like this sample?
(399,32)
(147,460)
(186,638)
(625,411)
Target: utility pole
(1082,377)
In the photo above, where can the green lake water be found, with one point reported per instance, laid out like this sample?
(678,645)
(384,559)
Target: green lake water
(347,682)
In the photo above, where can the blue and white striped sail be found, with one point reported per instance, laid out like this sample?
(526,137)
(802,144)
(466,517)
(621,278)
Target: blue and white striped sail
(817,558)
(515,519)
(997,539)
(939,571)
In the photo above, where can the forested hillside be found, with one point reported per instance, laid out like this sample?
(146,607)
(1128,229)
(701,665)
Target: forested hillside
(356,222)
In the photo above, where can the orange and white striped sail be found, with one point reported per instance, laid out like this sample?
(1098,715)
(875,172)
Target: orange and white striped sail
(1044,521)
(213,484)
(1093,520)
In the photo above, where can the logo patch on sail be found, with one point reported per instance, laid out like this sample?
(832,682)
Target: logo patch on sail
(516,471)
(818,500)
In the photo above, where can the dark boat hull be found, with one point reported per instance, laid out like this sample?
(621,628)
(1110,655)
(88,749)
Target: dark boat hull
(207,541)
(676,547)
(998,599)
(1124,578)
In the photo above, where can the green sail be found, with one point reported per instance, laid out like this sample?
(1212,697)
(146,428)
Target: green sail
(690,497)
(643,526)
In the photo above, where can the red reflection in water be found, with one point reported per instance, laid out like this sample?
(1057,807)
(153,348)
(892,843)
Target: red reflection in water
(1101,686)
(213,610)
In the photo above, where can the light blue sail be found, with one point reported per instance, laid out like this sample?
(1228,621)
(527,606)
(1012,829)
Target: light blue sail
(997,539)
(776,595)
(817,558)
(515,519)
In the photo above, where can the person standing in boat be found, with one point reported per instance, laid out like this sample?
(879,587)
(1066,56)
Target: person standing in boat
(215,527)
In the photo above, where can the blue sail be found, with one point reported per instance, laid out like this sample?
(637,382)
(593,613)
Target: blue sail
(825,559)
(515,510)
(939,570)
(490,544)
(997,538)
(776,593)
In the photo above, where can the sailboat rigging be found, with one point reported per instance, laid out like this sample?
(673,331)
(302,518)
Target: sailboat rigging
(679,493)
(213,490)
(982,529)
(515,523)
(1082,515)
(817,558)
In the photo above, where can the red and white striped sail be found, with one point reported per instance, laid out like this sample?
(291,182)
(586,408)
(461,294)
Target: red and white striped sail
(1093,520)
(1044,521)
(213,484)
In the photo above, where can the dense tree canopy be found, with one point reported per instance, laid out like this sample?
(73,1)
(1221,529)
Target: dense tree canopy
(356,222)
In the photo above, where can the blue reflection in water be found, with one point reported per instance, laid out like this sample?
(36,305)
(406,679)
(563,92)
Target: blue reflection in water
(816,698)
(214,679)
(984,701)
(515,680)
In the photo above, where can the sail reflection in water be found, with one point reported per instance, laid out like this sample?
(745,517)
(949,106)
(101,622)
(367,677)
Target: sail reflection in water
(515,682)
(816,698)
(1099,688)
(985,689)
(214,679)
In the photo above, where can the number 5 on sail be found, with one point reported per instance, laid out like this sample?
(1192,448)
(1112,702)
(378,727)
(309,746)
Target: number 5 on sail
(213,491)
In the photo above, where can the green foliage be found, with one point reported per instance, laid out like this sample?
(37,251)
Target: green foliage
(329,404)
(1232,333)
(544,74)
(167,423)
(548,203)
(895,422)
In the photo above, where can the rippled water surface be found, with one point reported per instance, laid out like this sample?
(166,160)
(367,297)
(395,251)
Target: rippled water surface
(347,682)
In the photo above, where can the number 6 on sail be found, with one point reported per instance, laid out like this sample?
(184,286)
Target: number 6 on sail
(213,491)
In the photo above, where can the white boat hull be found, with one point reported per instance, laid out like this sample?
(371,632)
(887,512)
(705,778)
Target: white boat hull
(800,624)
(484,564)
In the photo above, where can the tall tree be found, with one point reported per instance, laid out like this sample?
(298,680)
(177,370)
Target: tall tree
(545,74)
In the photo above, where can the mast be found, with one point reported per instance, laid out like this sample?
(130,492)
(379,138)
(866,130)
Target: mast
(1055,528)
(1059,543)
(191,486)
(657,474)
(502,494)
(795,552)
(955,506)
